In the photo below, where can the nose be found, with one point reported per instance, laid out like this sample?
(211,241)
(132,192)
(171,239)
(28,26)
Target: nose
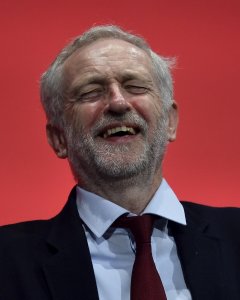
(117,101)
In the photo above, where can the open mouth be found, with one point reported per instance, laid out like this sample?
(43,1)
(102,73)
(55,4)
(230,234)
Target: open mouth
(119,131)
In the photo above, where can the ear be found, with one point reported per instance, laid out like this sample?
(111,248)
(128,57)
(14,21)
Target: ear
(172,122)
(56,140)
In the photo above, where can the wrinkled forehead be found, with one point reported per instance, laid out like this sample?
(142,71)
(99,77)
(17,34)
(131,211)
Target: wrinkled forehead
(104,52)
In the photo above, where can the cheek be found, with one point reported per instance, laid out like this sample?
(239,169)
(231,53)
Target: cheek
(84,114)
(149,108)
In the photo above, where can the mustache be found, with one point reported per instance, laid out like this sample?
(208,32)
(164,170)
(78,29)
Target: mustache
(130,118)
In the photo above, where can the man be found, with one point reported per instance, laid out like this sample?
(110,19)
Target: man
(110,111)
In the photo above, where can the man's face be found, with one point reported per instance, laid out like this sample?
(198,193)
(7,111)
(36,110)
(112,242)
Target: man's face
(113,113)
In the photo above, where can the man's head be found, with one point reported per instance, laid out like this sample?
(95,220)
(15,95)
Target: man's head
(52,81)
(108,100)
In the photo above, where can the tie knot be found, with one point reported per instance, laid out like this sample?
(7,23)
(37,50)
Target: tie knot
(140,226)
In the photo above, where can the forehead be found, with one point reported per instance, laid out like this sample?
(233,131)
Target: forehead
(107,55)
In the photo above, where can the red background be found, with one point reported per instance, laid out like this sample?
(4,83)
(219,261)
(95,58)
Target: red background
(202,165)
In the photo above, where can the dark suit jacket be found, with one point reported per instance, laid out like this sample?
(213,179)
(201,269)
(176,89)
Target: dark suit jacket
(50,260)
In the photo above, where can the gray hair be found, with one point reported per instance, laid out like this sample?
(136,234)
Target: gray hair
(52,83)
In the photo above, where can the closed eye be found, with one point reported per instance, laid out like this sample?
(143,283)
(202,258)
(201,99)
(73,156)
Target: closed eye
(92,95)
(136,89)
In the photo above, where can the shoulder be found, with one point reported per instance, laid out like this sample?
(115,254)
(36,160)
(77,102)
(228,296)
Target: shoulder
(211,211)
(225,220)
(26,227)
(24,233)
(208,207)
(37,229)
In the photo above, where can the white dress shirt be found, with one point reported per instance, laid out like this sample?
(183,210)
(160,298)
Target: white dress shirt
(113,250)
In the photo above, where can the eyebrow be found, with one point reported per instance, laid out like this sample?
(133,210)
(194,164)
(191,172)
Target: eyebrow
(135,76)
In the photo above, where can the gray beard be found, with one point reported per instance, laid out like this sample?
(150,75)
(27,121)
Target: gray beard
(100,161)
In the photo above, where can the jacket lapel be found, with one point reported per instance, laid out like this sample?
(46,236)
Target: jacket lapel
(200,251)
(68,271)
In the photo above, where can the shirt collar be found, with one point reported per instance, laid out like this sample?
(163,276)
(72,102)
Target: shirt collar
(99,214)
(166,204)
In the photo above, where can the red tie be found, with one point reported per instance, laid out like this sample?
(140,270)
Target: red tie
(145,283)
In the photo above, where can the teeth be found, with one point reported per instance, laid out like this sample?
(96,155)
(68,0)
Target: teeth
(132,130)
(118,129)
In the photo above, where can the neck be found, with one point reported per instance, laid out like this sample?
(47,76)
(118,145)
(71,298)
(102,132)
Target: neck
(133,194)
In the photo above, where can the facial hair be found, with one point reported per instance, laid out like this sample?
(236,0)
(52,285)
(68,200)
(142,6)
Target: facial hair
(90,156)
